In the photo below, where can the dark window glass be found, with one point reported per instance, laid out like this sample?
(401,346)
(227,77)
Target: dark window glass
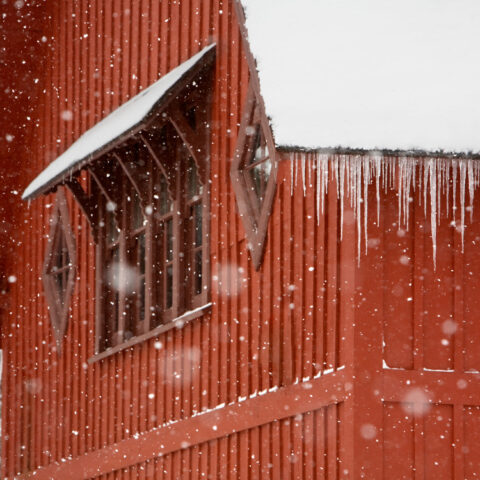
(169,287)
(194,186)
(198,272)
(141,301)
(169,239)
(141,253)
(112,229)
(260,165)
(164,202)
(137,213)
(157,231)
(198,209)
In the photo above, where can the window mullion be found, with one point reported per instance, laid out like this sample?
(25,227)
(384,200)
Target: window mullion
(149,258)
(123,245)
(178,241)
(100,281)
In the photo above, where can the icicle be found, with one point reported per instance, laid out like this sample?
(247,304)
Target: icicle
(292,168)
(377,186)
(317,192)
(414,170)
(354,175)
(454,193)
(324,169)
(426,170)
(335,170)
(400,193)
(439,189)
(394,179)
(310,174)
(366,181)
(303,175)
(446,170)
(463,173)
(471,182)
(421,168)
(296,169)
(433,208)
(358,198)
(410,174)
(341,192)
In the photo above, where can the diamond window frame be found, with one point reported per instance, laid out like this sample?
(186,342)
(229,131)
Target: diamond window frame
(58,307)
(254,212)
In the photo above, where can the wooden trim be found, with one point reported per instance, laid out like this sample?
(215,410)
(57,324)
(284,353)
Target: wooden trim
(178,262)
(204,427)
(177,323)
(153,154)
(252,64)
(256,236)
(254,216)
(149,254)
(86,204)
(101,186)
(440,386)
(59,308)
(130,174)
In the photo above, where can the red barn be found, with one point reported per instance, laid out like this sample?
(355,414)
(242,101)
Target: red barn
(247,244)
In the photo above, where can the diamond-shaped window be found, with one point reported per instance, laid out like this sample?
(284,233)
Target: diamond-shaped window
(253,175)
(59,268)
(258,169)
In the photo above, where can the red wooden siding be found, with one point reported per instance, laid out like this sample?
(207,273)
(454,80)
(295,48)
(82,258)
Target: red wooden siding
(298,369)
(429,377)
(60,407)
(289,448)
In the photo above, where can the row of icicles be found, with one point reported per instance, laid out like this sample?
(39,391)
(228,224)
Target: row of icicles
(430,178)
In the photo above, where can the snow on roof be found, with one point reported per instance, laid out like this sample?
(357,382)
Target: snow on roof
(369,74)
(122,120)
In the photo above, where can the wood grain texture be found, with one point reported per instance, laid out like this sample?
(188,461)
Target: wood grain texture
(295,365)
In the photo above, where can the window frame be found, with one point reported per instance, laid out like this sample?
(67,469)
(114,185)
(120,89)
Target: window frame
(255,215)
(186,142)
(59,308)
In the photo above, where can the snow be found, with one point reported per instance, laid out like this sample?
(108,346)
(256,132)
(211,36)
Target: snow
(369,74)
(120,121)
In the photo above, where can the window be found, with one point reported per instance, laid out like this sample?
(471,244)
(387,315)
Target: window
(152,258)
(59,267)
(253,175)
(258,167)
(140,177)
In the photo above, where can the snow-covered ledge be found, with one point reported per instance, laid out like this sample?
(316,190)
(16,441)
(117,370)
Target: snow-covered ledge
(120,124)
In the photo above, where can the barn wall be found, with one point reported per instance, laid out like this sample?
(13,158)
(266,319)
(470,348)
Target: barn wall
(295,447)
(305,368)
(424,348)
(263,331)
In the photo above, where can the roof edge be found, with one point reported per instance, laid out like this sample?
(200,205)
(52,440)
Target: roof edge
(384,152)
(41,185)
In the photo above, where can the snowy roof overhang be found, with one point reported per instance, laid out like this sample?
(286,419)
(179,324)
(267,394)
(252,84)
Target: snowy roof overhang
(369,74)
(119,125)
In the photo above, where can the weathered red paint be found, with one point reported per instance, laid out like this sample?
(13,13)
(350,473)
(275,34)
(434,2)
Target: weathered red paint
(293,353)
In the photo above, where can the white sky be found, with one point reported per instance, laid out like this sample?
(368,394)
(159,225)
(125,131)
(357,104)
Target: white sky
(372,74)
